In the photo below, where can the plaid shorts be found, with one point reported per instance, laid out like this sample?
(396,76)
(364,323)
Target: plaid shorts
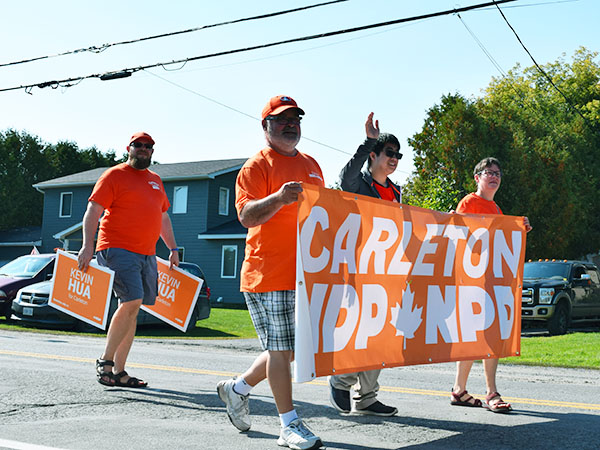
(272,314)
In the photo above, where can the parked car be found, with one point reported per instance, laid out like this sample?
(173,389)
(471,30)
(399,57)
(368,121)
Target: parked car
(558,293)
(31,306)
(21,272)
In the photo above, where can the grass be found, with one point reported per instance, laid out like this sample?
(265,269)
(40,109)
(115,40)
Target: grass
(575,350)
(580,350)
(222,324)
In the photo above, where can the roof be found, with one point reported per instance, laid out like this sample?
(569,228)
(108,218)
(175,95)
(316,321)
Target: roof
(229,230)
(23,237)
(197,170)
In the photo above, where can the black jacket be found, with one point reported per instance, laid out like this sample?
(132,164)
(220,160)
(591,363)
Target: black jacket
(352,179)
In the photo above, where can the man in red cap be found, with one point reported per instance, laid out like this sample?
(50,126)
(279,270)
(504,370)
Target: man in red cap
(134,204)
(267,189)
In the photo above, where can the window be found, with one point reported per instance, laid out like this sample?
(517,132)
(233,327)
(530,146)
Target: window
(66,203)
(180,194)
(229,261)
(181,253)
(223,201)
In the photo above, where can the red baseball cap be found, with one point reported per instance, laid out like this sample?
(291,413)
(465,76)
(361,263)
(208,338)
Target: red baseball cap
(279,104)
(141,136)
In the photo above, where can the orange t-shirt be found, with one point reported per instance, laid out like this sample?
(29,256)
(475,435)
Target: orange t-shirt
(386,193)
(474,204)
(270,262)
(134,201)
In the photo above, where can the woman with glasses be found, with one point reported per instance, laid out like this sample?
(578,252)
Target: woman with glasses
(488,176)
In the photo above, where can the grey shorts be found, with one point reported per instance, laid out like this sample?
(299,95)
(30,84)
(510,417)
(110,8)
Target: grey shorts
(136,276)
(272,314)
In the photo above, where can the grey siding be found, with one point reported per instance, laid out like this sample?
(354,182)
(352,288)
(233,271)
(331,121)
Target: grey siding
(228,289)
(214,218)
(52,223)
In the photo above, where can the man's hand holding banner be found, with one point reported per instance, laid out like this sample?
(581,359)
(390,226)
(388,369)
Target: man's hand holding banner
(381,285)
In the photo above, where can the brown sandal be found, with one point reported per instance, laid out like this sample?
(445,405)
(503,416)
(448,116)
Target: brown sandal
(498,407)
(456,400)
(104,377)
(132,382)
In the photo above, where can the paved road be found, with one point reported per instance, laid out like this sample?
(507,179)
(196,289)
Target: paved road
(49,398)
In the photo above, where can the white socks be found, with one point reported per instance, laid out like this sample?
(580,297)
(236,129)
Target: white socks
(241,387)
(286,418)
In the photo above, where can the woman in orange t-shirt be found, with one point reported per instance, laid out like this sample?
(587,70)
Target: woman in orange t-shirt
(488,176)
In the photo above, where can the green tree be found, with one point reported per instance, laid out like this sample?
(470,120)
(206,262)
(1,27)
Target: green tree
(549,152)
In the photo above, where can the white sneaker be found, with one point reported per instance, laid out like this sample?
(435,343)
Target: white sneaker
(298,437)
(237,405)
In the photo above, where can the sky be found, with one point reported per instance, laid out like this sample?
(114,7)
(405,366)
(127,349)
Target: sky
(210,109)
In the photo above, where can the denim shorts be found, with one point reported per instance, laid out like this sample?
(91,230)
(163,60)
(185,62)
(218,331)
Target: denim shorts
(136,275)
(273,316)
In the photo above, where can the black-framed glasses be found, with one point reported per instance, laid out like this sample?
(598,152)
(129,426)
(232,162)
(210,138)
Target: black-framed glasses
(491,173)
(284,120)
(142,144)
(392,154)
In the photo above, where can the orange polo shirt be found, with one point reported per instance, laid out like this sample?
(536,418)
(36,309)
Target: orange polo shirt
(133,201)
(270,261)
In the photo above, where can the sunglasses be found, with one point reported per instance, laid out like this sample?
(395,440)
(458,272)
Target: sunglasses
(141,144)
(284,121)
(392,154)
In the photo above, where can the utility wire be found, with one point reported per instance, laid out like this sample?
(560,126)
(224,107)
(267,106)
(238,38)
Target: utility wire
(519,93)
(482,47)
(308,49)
(543,72)
(101,48)
(129,71)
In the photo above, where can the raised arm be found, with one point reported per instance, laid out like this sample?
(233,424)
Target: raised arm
(350,175)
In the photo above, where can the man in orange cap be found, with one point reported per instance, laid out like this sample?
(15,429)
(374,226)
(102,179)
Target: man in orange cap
(136,206)
(267,189)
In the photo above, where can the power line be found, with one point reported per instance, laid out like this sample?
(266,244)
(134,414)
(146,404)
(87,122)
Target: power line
(543,72)
(129,71)
(512,85)
(103,47)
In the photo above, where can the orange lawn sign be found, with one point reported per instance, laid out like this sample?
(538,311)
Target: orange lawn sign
(380,284)
(177,294)
(84,295)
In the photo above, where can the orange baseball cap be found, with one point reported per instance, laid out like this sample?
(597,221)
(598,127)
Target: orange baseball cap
(143,136)
(279,104)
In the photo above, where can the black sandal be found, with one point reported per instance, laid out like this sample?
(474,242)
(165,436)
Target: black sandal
(104,377)
(132,382)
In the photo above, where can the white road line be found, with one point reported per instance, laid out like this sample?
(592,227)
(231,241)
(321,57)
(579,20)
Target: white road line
(15,445)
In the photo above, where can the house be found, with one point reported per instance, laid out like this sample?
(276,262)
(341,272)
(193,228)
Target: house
(19,241)
(202,196)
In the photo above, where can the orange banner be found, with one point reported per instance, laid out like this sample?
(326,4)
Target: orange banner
(84,295)
(380,284)
(177,295)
